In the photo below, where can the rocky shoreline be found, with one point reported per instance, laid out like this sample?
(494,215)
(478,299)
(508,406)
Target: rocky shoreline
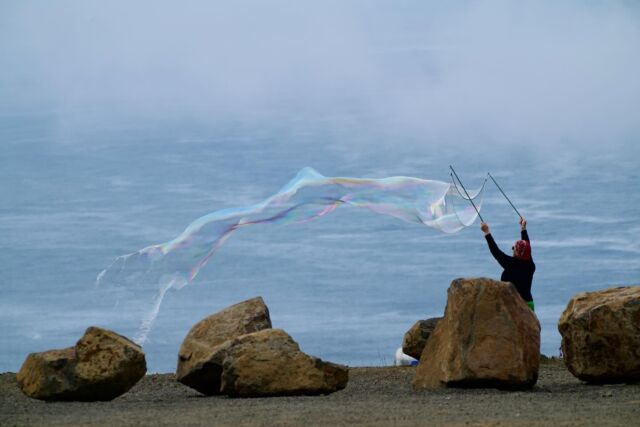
(373,396)
(235,369)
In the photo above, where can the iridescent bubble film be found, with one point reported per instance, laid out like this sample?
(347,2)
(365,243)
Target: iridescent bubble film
(155,269)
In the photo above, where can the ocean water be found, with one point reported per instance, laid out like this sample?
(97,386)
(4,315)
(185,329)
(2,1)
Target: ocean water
(347,286)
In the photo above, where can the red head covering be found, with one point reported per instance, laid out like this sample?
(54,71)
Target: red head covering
(522,250)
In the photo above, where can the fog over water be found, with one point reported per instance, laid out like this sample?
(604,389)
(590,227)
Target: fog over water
(121,122)
(497,71)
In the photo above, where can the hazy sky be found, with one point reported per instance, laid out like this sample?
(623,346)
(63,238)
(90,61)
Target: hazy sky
(539,72)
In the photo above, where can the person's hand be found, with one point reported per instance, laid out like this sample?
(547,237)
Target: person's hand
(485,228)
(523,223)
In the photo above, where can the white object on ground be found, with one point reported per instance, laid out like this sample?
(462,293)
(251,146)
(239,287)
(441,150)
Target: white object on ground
(404,359)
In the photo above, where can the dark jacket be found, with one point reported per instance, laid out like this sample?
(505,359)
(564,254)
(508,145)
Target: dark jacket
(516,271)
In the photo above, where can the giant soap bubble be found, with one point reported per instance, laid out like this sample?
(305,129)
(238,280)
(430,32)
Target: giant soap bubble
(155,269)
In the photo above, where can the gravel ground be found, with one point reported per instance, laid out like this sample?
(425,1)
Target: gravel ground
(374,396)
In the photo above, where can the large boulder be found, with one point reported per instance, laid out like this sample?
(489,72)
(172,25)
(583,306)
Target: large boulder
(101,366)
(488,337)
(270,363)
(416,338)
(601,335)
(194,366)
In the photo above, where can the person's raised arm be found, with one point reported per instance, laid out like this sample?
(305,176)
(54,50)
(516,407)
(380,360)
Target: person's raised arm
(523,229)
(502,258)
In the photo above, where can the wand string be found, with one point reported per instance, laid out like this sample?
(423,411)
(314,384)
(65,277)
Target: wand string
(465,192)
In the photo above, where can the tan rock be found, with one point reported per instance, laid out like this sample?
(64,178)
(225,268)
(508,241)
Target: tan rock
(601,335)
(48,375)
(101,366)
(194,367)
(416,338)
(488,337)
(270,363)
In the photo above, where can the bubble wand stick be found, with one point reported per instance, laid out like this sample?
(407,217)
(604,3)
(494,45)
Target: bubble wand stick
(505,196)
(465,192)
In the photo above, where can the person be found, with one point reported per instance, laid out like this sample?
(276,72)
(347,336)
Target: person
(519,268)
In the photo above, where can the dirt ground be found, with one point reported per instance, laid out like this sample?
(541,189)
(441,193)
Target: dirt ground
(375,396)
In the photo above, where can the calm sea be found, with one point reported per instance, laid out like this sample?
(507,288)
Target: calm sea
(346,287)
